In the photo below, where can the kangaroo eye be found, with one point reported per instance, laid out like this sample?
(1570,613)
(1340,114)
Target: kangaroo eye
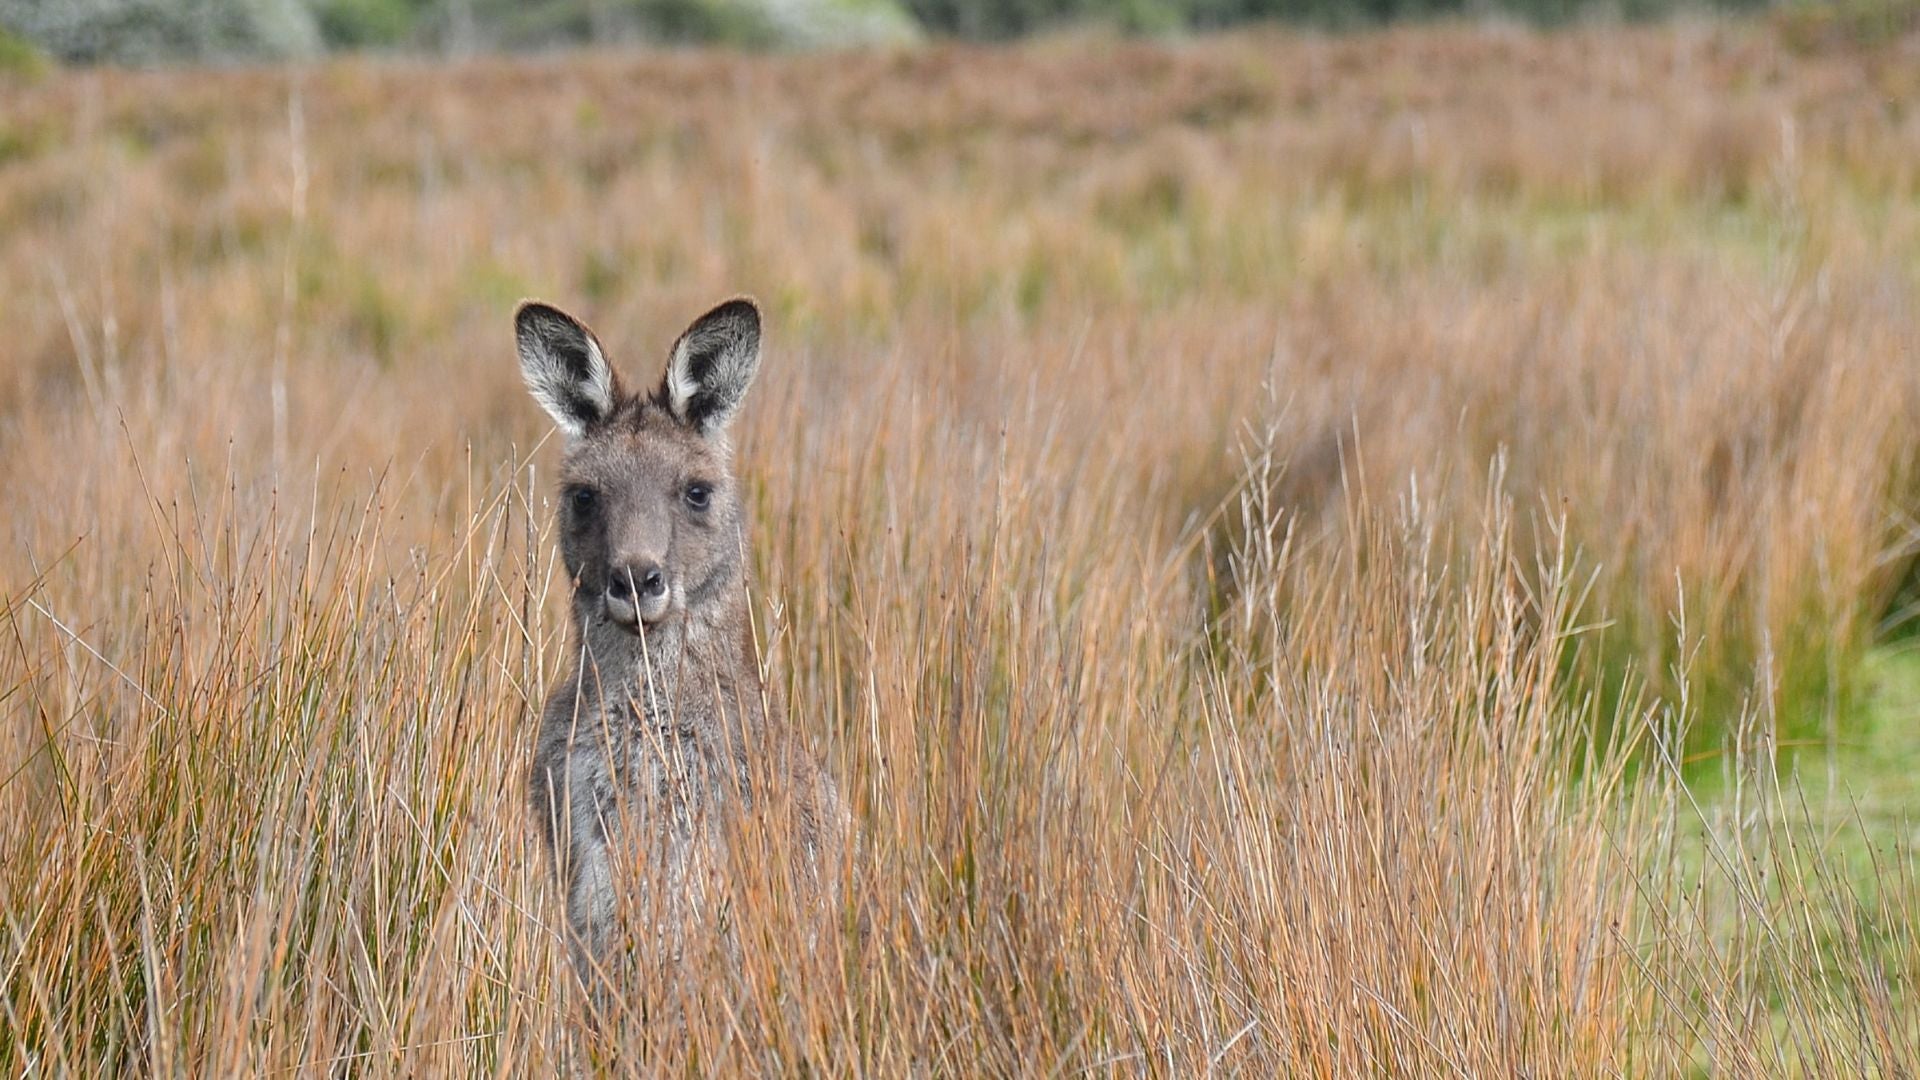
(583,500)
(699,496)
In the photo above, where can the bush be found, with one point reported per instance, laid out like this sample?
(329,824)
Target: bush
(147,31)
(17,55)
(362,23)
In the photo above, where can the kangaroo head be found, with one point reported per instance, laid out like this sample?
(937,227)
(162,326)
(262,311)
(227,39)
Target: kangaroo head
(650,518)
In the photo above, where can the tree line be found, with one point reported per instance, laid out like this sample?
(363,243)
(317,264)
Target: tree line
(152,31)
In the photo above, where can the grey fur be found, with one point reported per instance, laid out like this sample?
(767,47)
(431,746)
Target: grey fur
(662,732)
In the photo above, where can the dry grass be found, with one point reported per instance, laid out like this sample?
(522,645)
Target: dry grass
(1253,524)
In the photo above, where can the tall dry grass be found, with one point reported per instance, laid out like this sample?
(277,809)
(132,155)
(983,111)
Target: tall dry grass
(1257,526)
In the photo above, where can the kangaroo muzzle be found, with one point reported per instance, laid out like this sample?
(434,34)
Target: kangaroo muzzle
(637,593)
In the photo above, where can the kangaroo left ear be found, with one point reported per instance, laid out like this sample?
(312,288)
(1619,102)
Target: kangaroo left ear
(712,365)
(565,369)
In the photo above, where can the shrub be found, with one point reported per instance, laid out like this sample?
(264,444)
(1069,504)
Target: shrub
(148,31)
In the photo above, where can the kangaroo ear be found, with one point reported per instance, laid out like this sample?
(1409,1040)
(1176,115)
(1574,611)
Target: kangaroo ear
(712,365)
(564,366)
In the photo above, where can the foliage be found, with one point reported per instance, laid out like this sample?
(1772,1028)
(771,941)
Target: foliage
(144,31)
(18,56)
(148,30)
(362,23)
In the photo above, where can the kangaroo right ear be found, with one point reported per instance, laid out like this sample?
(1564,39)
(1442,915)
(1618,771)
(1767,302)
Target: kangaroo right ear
(564,366)
(712,365)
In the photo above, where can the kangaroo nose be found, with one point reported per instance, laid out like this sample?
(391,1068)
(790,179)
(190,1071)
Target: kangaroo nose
(645,578)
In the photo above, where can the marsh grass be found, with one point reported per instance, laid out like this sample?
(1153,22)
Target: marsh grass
(1307,555)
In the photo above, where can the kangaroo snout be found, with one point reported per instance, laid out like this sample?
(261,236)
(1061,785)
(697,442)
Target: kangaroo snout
(637,592)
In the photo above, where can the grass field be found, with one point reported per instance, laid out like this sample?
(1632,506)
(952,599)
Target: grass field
(1376,555)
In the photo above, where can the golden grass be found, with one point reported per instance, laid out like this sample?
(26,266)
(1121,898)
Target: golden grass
(1253,523)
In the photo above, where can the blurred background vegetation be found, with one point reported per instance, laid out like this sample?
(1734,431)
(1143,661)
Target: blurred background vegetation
(155,31)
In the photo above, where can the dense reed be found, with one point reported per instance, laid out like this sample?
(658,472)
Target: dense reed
(1308,555)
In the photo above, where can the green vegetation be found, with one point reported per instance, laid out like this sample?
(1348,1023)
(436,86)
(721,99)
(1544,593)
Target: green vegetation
(149,31)
(18,56)
(145,31)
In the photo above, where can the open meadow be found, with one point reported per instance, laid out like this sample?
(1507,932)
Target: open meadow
(1391,554)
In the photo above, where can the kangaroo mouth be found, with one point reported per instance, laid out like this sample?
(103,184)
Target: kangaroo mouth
(626,614)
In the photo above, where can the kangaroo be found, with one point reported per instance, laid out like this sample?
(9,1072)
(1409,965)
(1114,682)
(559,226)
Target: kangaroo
(662,731)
